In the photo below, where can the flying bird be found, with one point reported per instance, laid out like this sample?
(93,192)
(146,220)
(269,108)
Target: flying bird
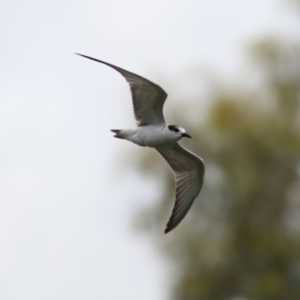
(152,131)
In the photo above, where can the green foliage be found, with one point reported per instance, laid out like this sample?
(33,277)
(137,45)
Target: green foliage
(242,235)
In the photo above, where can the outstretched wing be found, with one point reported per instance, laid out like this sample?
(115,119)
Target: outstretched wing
(188,171)
(148,98)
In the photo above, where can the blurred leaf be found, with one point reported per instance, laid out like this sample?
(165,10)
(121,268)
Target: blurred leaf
(241,237)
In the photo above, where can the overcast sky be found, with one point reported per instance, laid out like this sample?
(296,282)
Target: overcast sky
(66,209)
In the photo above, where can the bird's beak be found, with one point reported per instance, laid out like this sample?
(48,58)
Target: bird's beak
(186,135)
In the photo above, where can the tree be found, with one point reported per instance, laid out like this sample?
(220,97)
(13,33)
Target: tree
(242,235)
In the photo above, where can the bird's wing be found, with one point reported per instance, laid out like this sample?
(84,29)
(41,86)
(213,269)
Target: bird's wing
(188,171)
(148,98)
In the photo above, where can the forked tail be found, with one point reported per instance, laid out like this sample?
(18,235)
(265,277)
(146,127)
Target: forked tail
(118,133)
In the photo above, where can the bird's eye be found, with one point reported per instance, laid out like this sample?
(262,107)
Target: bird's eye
(173,128)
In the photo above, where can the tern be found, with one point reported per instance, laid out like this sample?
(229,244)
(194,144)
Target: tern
(152,131)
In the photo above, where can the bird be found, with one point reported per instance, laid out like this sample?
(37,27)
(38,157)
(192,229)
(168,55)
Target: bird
(152,131)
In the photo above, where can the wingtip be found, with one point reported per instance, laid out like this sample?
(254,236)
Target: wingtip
(169,228)
(78,54)
(173,222)
(94,59)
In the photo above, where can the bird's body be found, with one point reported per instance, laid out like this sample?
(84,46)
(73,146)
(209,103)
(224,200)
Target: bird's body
(152,131)
(148,135)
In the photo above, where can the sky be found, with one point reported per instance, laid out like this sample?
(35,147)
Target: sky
(67,202)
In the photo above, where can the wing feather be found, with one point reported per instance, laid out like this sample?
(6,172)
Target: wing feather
(148,98)
(188,171)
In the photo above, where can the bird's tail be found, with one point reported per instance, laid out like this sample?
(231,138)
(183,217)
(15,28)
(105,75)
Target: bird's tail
(118,133)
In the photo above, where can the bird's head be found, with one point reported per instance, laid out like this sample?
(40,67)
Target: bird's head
(179,131)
